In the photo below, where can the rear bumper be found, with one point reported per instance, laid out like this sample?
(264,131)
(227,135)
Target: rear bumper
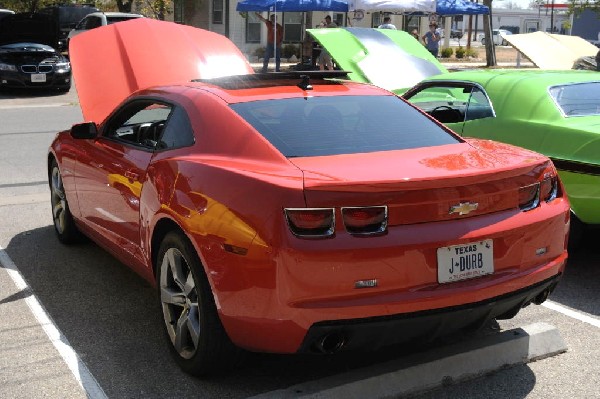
(286,301)
(375,332)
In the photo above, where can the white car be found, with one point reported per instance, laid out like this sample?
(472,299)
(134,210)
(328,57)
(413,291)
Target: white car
(98,19)
(4,12)
(497,37)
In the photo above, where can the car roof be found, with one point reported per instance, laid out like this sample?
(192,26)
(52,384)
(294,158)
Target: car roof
(294,84)
(519,76)
(115,14)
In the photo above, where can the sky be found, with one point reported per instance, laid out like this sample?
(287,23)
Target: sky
(516,3)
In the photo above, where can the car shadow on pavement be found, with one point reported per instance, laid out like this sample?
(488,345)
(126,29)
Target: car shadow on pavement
(580,285)
(111,318)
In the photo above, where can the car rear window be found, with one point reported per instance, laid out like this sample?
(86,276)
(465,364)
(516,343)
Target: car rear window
(580,99)
(113,20)
(318,126)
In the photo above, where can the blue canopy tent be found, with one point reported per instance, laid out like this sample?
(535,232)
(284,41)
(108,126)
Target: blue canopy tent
(460,7)
(292,5)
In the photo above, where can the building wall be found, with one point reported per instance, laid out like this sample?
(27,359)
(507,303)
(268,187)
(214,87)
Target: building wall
(587,26)
(199,13)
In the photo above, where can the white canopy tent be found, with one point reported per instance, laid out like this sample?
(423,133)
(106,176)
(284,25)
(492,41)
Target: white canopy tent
(425,6)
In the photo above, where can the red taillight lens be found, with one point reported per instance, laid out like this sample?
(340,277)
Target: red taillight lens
(529,197)
(365,220)
(549,188)
(311,222)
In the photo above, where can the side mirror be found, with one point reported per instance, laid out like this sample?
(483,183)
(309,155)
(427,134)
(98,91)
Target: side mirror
(87,130)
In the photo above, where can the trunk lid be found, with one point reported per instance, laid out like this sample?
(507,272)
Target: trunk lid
(422,185)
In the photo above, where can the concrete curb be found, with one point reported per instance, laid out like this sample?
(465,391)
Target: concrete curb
(429,370)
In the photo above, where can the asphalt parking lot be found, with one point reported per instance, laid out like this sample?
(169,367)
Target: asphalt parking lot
(102,326)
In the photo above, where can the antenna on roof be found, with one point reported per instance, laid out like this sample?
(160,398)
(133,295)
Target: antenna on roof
(305,83)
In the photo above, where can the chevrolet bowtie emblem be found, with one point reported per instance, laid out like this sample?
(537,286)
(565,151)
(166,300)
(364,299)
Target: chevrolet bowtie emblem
(463,208)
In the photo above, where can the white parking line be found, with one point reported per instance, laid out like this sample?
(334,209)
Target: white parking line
(80,371)
(572,313)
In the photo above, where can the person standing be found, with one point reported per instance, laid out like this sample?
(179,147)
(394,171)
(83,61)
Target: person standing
(387,24)
(414,33)
(325,60)
(273,44)
(432,39)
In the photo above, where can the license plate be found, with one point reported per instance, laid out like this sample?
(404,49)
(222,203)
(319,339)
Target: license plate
(465,261)
(38,77)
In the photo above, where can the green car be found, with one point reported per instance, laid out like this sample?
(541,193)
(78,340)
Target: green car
(556,113)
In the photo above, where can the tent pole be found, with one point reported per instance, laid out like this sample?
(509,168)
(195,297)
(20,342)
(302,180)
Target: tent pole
(275,36)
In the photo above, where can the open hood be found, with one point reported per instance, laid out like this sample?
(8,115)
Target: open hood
(551,51)
(112,62)
(29,28)
(388,58)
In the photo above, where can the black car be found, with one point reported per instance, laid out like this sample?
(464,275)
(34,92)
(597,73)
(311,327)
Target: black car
(27,58)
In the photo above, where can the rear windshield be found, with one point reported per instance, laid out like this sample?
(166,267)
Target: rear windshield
(580,99)
(317,126)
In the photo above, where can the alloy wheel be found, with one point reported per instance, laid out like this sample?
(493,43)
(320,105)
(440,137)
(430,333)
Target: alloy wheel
(58,201)
(179,300)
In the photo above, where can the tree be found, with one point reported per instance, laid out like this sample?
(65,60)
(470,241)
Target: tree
(154,8)
(490,53)
(25,5)
(577,6)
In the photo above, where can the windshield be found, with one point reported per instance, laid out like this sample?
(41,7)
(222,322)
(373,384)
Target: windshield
(318,126)
(582,99)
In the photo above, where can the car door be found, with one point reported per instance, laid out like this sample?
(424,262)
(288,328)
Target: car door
(111,173)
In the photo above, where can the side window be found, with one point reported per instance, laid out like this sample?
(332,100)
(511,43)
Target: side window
(92,22)
(139,123)
(479,106)
(178,131)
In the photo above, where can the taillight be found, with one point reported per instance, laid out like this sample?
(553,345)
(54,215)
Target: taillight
(529,197)
(365,220)
(549,188)
(311,222)
(545,190)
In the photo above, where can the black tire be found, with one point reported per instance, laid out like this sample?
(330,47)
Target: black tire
(196,337)
(576,233)
(64,226)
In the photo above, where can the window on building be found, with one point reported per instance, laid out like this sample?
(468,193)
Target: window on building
(411,22)
(376,19)
(217,11)
(338,18)
(292,27)
(178,11)
(253,25)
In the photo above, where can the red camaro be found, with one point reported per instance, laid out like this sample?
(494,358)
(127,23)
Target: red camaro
(292,212)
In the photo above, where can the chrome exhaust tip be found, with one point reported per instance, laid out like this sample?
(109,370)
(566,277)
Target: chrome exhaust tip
(331,343)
